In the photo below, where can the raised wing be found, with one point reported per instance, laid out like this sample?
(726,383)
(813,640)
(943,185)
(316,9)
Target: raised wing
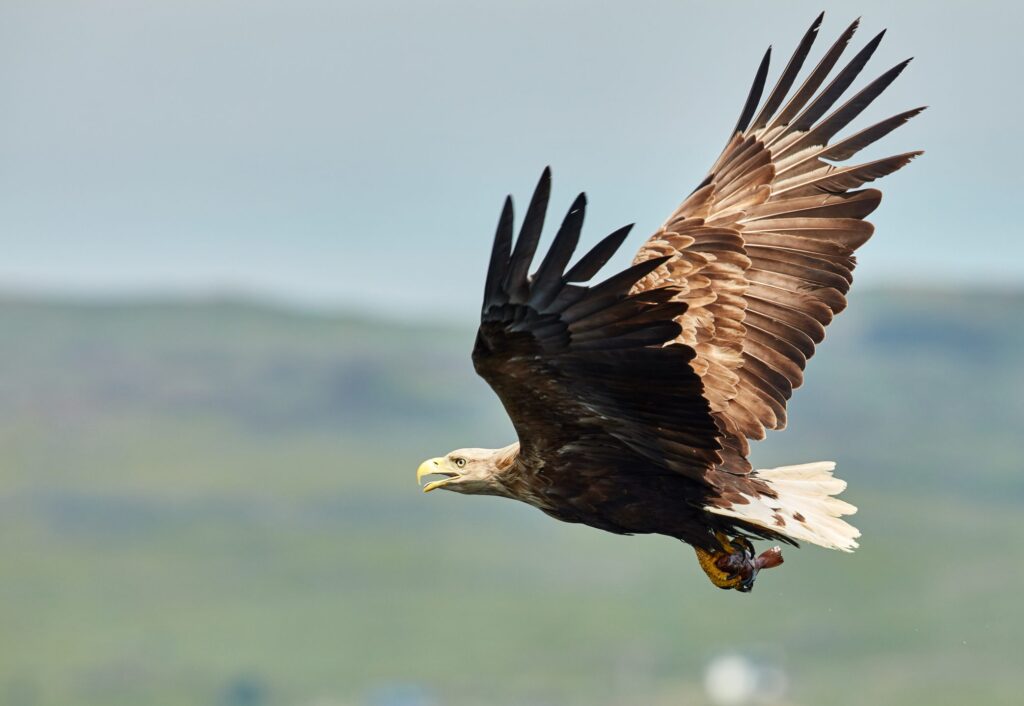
(763,249)
(575,364)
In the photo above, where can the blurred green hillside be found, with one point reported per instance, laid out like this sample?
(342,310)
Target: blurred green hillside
(213,502)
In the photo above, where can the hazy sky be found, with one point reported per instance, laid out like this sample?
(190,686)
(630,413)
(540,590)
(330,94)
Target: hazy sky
(358,152)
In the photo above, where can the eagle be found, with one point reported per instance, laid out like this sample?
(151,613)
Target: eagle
(634,400)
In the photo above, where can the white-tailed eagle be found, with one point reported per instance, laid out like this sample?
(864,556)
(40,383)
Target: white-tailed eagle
(634,400)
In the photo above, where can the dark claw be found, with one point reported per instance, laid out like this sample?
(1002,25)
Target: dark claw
(745,544)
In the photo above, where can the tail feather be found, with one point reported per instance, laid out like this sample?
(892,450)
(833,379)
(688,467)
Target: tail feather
(804,508)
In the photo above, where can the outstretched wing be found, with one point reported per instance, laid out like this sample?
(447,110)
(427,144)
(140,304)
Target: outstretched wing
(573,364)
(763,249)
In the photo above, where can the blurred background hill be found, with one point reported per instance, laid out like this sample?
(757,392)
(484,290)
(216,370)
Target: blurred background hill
(212,501)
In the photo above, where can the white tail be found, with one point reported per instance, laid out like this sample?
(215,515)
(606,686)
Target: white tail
(805,508)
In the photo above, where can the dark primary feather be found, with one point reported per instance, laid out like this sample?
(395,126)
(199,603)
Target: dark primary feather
(610,291)
(500,253)
(529,237)
(754,97)
(787,77)
(849,146)
(591,263)
(546,283)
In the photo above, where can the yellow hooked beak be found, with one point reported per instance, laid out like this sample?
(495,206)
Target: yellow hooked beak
(435,466)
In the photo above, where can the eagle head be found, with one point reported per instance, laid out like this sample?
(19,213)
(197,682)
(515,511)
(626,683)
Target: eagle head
(469,471)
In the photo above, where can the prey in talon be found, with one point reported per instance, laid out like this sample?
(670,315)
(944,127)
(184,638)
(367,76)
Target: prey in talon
(733,565)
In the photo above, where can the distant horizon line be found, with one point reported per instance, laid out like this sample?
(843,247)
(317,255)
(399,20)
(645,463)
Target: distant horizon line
(285,303)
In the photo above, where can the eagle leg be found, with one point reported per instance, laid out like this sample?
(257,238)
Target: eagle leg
(737,544)
(734,566)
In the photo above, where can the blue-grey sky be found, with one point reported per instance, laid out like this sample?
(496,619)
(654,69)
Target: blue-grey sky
(357,153)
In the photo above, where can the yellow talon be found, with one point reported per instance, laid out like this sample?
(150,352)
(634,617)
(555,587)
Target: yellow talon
(735,566)
(722,579)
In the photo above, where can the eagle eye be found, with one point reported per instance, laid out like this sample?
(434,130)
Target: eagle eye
(460,462)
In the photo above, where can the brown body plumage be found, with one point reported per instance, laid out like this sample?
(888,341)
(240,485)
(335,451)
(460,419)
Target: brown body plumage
(634,399)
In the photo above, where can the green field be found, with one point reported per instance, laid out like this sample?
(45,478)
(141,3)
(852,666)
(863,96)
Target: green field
(214,503)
